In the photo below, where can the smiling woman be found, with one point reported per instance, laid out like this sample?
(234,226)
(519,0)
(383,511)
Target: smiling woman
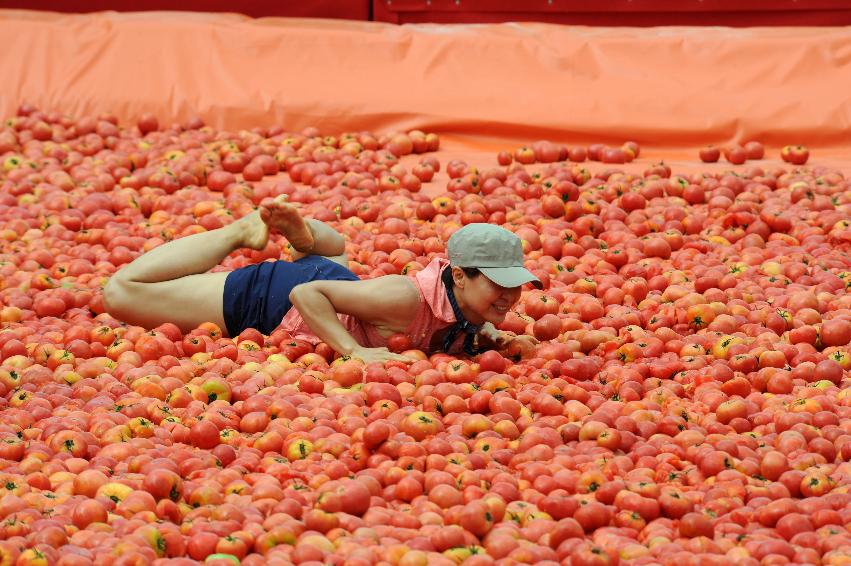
(447,306)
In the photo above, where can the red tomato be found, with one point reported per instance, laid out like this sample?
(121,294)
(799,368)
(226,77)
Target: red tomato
(547,327)
(836,332)
(696,525)
(539,304)
(592,516)
(204,434)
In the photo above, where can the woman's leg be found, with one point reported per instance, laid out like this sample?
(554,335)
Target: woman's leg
(170,283)
(327,242)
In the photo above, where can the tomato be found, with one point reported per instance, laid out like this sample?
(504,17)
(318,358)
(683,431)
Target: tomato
(357,497)
(445,496)
(459,372)
(609,438)
(829,370)
(88,512)
(674,504)
(773,465)
(816,484)
(202,545)
(835,332)
(539,304)
(732,409)
(163,484)
(12,448)
(448,537)
(591,555)
(592,516)
(558,506)
(547,327)
(492,360)
(421,424)
(476,518)
(696,525)
(204,434)
(347,372)
(790,525)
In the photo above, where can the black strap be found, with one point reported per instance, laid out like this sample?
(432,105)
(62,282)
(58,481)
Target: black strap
(461,324)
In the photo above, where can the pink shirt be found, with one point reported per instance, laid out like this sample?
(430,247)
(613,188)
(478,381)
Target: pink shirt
(433,314)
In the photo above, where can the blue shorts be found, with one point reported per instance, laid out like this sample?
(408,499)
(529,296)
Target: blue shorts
(258,296)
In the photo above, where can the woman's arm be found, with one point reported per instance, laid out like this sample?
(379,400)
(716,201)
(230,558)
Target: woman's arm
(390,301)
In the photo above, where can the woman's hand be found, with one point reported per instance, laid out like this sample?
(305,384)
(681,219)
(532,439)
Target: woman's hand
(521,345)
(502,340)
(497,338)
(368,355)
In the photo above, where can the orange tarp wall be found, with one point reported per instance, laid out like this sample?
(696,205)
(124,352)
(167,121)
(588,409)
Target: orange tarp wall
(663,87)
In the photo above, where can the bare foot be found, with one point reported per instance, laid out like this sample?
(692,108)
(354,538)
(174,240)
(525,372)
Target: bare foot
(284,218)
(252,231)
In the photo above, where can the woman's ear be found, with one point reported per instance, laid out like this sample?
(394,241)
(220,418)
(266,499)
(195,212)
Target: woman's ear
(458,277)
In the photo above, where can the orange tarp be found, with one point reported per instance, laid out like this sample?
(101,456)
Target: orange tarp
(479,85)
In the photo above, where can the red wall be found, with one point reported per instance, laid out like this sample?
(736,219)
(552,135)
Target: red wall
(619,12)
(340,9)
(640,13)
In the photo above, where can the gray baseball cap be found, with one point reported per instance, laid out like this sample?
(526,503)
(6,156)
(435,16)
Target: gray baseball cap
(494,251)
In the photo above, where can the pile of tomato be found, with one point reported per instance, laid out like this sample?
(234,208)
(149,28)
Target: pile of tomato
(688,401)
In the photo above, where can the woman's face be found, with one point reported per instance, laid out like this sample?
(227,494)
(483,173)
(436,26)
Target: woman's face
(481,299)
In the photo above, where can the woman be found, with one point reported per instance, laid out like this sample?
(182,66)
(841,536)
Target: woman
(447,305)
